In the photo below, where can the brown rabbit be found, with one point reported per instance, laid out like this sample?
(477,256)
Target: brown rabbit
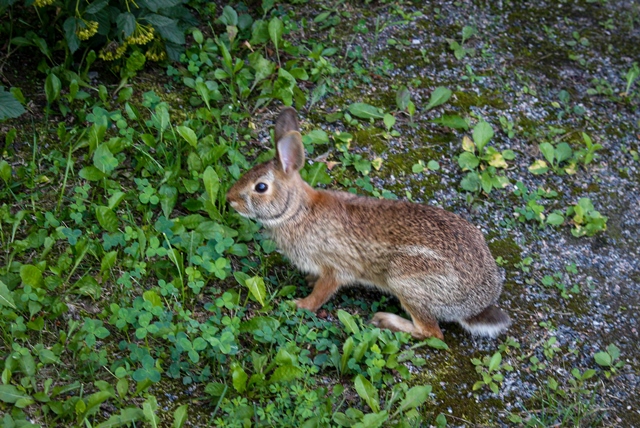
(437,264)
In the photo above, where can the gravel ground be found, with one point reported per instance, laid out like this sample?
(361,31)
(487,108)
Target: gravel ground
(524,56)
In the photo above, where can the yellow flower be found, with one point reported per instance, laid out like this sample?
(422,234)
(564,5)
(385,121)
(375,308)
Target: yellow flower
(112,51)
(43,3)
(91,28)
(141,35)
(156,52)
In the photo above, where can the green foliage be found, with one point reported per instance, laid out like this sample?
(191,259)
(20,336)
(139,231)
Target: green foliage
(114,27)
(458,48)
(490,369)
(10,106)
(125,273)
(557,281)
(631,76)
(609,360)
(586,220)
(483,161)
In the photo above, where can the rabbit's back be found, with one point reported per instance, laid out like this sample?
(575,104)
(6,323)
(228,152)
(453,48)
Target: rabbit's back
(375,242)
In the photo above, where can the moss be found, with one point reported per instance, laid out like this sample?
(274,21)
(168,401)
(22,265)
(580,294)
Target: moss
(452,379)
(466,100)
(506,248)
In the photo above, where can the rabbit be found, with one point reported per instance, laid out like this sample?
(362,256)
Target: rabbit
(436,263)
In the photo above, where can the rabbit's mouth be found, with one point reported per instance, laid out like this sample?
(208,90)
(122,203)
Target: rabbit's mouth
(239,209)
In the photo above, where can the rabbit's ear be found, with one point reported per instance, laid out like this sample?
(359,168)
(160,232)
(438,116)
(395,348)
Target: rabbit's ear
(287,121)
(290,152)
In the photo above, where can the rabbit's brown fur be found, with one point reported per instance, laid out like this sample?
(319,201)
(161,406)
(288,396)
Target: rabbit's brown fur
(436,263)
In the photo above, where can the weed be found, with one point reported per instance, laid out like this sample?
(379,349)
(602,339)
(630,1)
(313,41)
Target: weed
(483,161)
(490,369)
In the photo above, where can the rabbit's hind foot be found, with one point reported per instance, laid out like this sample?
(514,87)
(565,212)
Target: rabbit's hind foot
(418,329)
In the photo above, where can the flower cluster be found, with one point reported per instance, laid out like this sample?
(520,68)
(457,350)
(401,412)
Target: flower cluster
(156,52)
(112,51)
(91,28)
(43,3)
(142,35)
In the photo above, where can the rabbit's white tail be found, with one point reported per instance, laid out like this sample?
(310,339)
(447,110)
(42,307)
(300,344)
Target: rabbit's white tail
(490,322)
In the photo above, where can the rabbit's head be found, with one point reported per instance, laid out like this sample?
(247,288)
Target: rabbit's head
(270,192)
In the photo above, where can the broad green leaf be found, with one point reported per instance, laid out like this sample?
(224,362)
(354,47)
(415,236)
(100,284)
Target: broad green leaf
(27,364)
(367,392)
(95,400)
(239,377)
(467,31)
(614,351)
(104,160)
(10,108)
(435,343)
(276,29)
(468,161)
(126,23)
(31,275)
(315,137)
(365,111)
(257,288)
(316,173)
(211,183)
(495,361)
(452,121)
(229,16)
(374,420)
(603,359)
(433,165)
(259,32)
(10,394)
(497,160)
(482,133)
(286,373)
(126,417)
(198,37)
(468,145)
(5,171)
(555,219)
(415,397)
(262,67)
(403,97)
(471,182)
(349,323)
(96,6)
(180,416)
(547,151)
(149,408)
(115,199)
(188,134)
(168,199)
(52,87)
(167,27)
(440,96)
(153,297)
(108,261)
(389,121)
(538,167)
(6,296)
(347,350)
(563,152)
(107,219)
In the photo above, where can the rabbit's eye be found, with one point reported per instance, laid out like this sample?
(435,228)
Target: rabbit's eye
(261,187)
